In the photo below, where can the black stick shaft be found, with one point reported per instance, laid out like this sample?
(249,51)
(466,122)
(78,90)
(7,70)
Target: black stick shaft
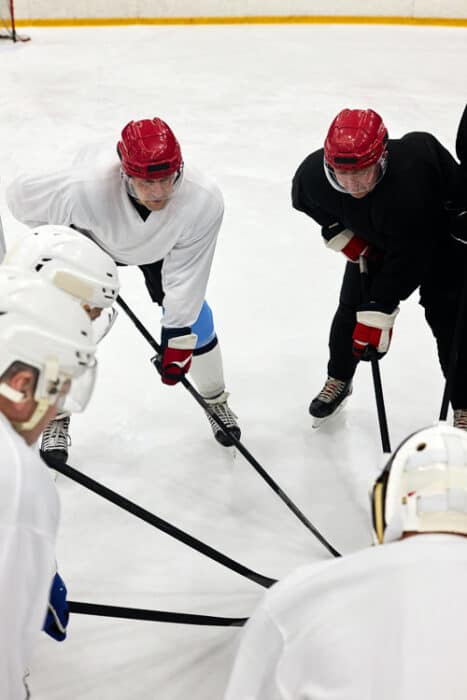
(248,456)
(383,424)
(155,521)
(378,387)
(154,615)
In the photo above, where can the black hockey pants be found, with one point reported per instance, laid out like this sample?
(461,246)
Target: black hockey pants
(440,312)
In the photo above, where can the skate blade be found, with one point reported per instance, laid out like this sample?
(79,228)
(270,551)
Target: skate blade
(318,422)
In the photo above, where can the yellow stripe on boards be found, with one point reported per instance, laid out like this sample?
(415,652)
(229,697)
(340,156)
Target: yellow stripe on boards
(258,19)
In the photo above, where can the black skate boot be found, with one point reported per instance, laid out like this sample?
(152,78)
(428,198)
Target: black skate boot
(56,440)
(330,400)
(222,409)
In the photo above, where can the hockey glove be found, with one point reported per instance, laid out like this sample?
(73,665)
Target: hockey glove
(177,345)
(373,330)
(57,615)
(338,238)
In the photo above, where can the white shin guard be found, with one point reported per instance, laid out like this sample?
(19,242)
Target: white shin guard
(207,373)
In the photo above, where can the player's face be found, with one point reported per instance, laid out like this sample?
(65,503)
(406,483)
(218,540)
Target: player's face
(154,194)
(358,183)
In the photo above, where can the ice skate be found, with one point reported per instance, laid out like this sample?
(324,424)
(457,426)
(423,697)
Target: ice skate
(330,400)
(460,418)
(223,411)
(56,440)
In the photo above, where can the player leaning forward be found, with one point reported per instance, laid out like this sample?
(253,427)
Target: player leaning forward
(386,622)
(147,211)
(384,199)
(46,360)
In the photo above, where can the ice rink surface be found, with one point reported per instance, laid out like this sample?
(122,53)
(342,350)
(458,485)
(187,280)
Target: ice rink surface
(247,103)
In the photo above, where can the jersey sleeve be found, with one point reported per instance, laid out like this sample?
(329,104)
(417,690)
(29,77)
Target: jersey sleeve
(310,178)
(185,275)
(39,199)
(254,672)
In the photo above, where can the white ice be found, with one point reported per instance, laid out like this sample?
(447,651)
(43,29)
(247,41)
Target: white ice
(248,104)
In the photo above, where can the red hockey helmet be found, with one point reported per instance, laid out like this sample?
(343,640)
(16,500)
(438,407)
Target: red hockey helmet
(356,139)
(148,149)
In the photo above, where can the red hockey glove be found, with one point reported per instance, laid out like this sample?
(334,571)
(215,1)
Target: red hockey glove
(340,239)
(373,330)
(176,353)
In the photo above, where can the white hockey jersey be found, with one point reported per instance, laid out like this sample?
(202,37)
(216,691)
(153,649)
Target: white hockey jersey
(386,623)
(92,197)
(29,514)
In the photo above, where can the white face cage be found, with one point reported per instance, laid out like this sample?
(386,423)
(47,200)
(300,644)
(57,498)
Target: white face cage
(153,190)
(360,183)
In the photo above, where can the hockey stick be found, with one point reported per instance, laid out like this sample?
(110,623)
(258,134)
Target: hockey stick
(383,424)
(154,615)
(155,521)
(240,447)
(461,151)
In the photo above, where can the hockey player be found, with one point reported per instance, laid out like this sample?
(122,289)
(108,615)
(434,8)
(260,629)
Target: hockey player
(46,345)
(383,199)
(146,210)
(75,264)
(385,622)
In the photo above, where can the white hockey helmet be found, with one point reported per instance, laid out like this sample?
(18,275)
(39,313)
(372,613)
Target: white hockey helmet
(69,260)
(44,327)
(423,487)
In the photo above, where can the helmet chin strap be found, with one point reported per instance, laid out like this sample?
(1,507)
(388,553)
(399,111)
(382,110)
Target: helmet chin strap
(48,375)
(11,394)
(41,409)
(18,397)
